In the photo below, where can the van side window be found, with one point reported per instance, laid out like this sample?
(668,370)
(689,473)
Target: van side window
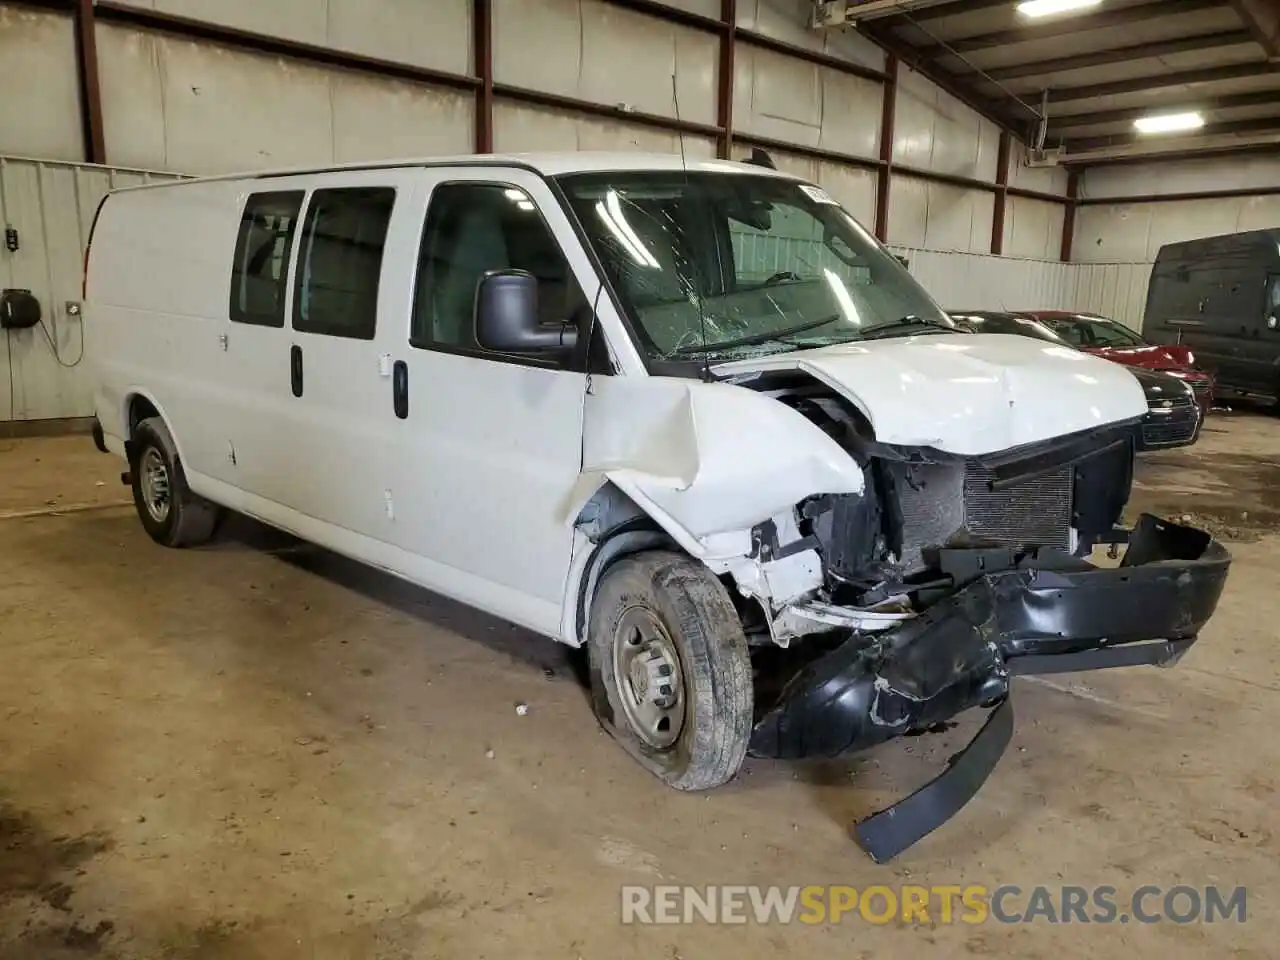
(340,261)
(261,263)
(471,229)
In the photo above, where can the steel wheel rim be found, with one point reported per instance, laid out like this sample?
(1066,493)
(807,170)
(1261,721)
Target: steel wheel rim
(153,482)
(646,671)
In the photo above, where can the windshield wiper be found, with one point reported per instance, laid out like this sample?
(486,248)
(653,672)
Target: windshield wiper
(757,338)
(910,320)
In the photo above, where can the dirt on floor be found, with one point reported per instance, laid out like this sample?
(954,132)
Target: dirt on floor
(260,750)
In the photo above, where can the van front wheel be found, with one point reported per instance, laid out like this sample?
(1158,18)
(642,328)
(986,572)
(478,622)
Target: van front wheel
(670,669)
(170,513)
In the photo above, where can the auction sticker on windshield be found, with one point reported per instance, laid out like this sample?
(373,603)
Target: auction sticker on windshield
(816,194)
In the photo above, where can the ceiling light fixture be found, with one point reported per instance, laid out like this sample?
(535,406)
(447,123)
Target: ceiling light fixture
(1047,8)
(1169,123)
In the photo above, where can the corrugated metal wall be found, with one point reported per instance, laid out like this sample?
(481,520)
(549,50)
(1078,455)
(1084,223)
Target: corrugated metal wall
(1116,290)
(967,281)
(51,206)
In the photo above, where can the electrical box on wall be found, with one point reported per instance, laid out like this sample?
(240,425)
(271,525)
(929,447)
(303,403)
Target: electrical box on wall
(19,310)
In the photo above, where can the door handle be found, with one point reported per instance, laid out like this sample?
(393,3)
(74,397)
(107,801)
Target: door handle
(400,389)
(295,369)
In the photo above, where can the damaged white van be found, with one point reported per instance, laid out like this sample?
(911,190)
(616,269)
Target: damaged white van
(692,416)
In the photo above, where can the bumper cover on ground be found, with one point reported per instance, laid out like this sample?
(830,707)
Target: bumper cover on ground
(1009,614)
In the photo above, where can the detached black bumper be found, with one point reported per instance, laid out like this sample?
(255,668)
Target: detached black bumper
(1009,614)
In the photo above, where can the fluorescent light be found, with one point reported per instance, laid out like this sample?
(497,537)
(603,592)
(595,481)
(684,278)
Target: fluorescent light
(1169,122)
(1047,8)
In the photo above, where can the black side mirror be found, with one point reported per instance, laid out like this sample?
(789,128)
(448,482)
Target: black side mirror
(507,316)
(18,310)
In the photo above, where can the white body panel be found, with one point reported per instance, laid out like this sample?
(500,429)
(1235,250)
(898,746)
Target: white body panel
(968,394)
(476,491)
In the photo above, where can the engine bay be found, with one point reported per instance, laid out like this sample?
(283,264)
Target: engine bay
(881,546)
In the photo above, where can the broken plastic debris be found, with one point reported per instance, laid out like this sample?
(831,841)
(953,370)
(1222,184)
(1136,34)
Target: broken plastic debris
(521,709)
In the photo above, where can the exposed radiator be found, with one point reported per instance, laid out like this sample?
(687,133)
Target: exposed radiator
(1032,512)
(940,501)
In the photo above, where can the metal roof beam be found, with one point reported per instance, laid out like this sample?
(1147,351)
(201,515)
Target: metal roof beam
(1103,20)
(1176,104)
(1235,71)
(1262,18)
(1138,51)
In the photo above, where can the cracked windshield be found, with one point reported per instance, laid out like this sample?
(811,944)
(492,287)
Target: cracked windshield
(723,266)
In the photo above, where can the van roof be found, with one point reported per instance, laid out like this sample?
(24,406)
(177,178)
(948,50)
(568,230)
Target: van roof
(1266,241)
(547,164)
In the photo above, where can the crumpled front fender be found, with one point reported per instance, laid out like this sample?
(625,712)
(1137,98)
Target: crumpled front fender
(707,461)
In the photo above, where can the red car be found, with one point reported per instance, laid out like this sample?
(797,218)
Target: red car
(1114,341)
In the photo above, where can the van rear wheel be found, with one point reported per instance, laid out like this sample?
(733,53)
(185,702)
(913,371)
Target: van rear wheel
(170,513)
(670,669)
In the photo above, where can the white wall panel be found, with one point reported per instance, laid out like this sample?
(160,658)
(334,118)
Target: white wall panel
(195,108)
(853,187)
(378,119)
(397,30)
(590,50)
(788,20)
(706,8)
(1044,179)
(783,98)
(518,128)
(939,216)
(388,29)
(1033,228)
(1127,232)
(39,102)
(51,205)
(1135,180)
(1116,243)
(969,281)
(935,131)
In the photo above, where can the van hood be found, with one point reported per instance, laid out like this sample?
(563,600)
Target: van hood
(967,394)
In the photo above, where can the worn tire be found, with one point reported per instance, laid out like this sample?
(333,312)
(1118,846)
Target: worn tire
(191,520)
(715,666)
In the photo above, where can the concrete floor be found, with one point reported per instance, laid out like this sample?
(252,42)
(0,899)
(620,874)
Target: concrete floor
(258,750)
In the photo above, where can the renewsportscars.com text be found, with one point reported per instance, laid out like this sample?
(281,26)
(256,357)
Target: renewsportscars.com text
(940,904)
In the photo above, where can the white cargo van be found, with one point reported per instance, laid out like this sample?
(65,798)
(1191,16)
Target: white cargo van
(679,413)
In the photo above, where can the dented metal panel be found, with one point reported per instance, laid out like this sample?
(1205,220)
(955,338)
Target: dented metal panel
(388,29)
(785,98)
(939,216)
(51,206)
(524,129)
(203,109)
(595,51)
(935,131)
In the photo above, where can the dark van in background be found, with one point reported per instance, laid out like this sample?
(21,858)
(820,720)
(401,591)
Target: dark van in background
(1220,296)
